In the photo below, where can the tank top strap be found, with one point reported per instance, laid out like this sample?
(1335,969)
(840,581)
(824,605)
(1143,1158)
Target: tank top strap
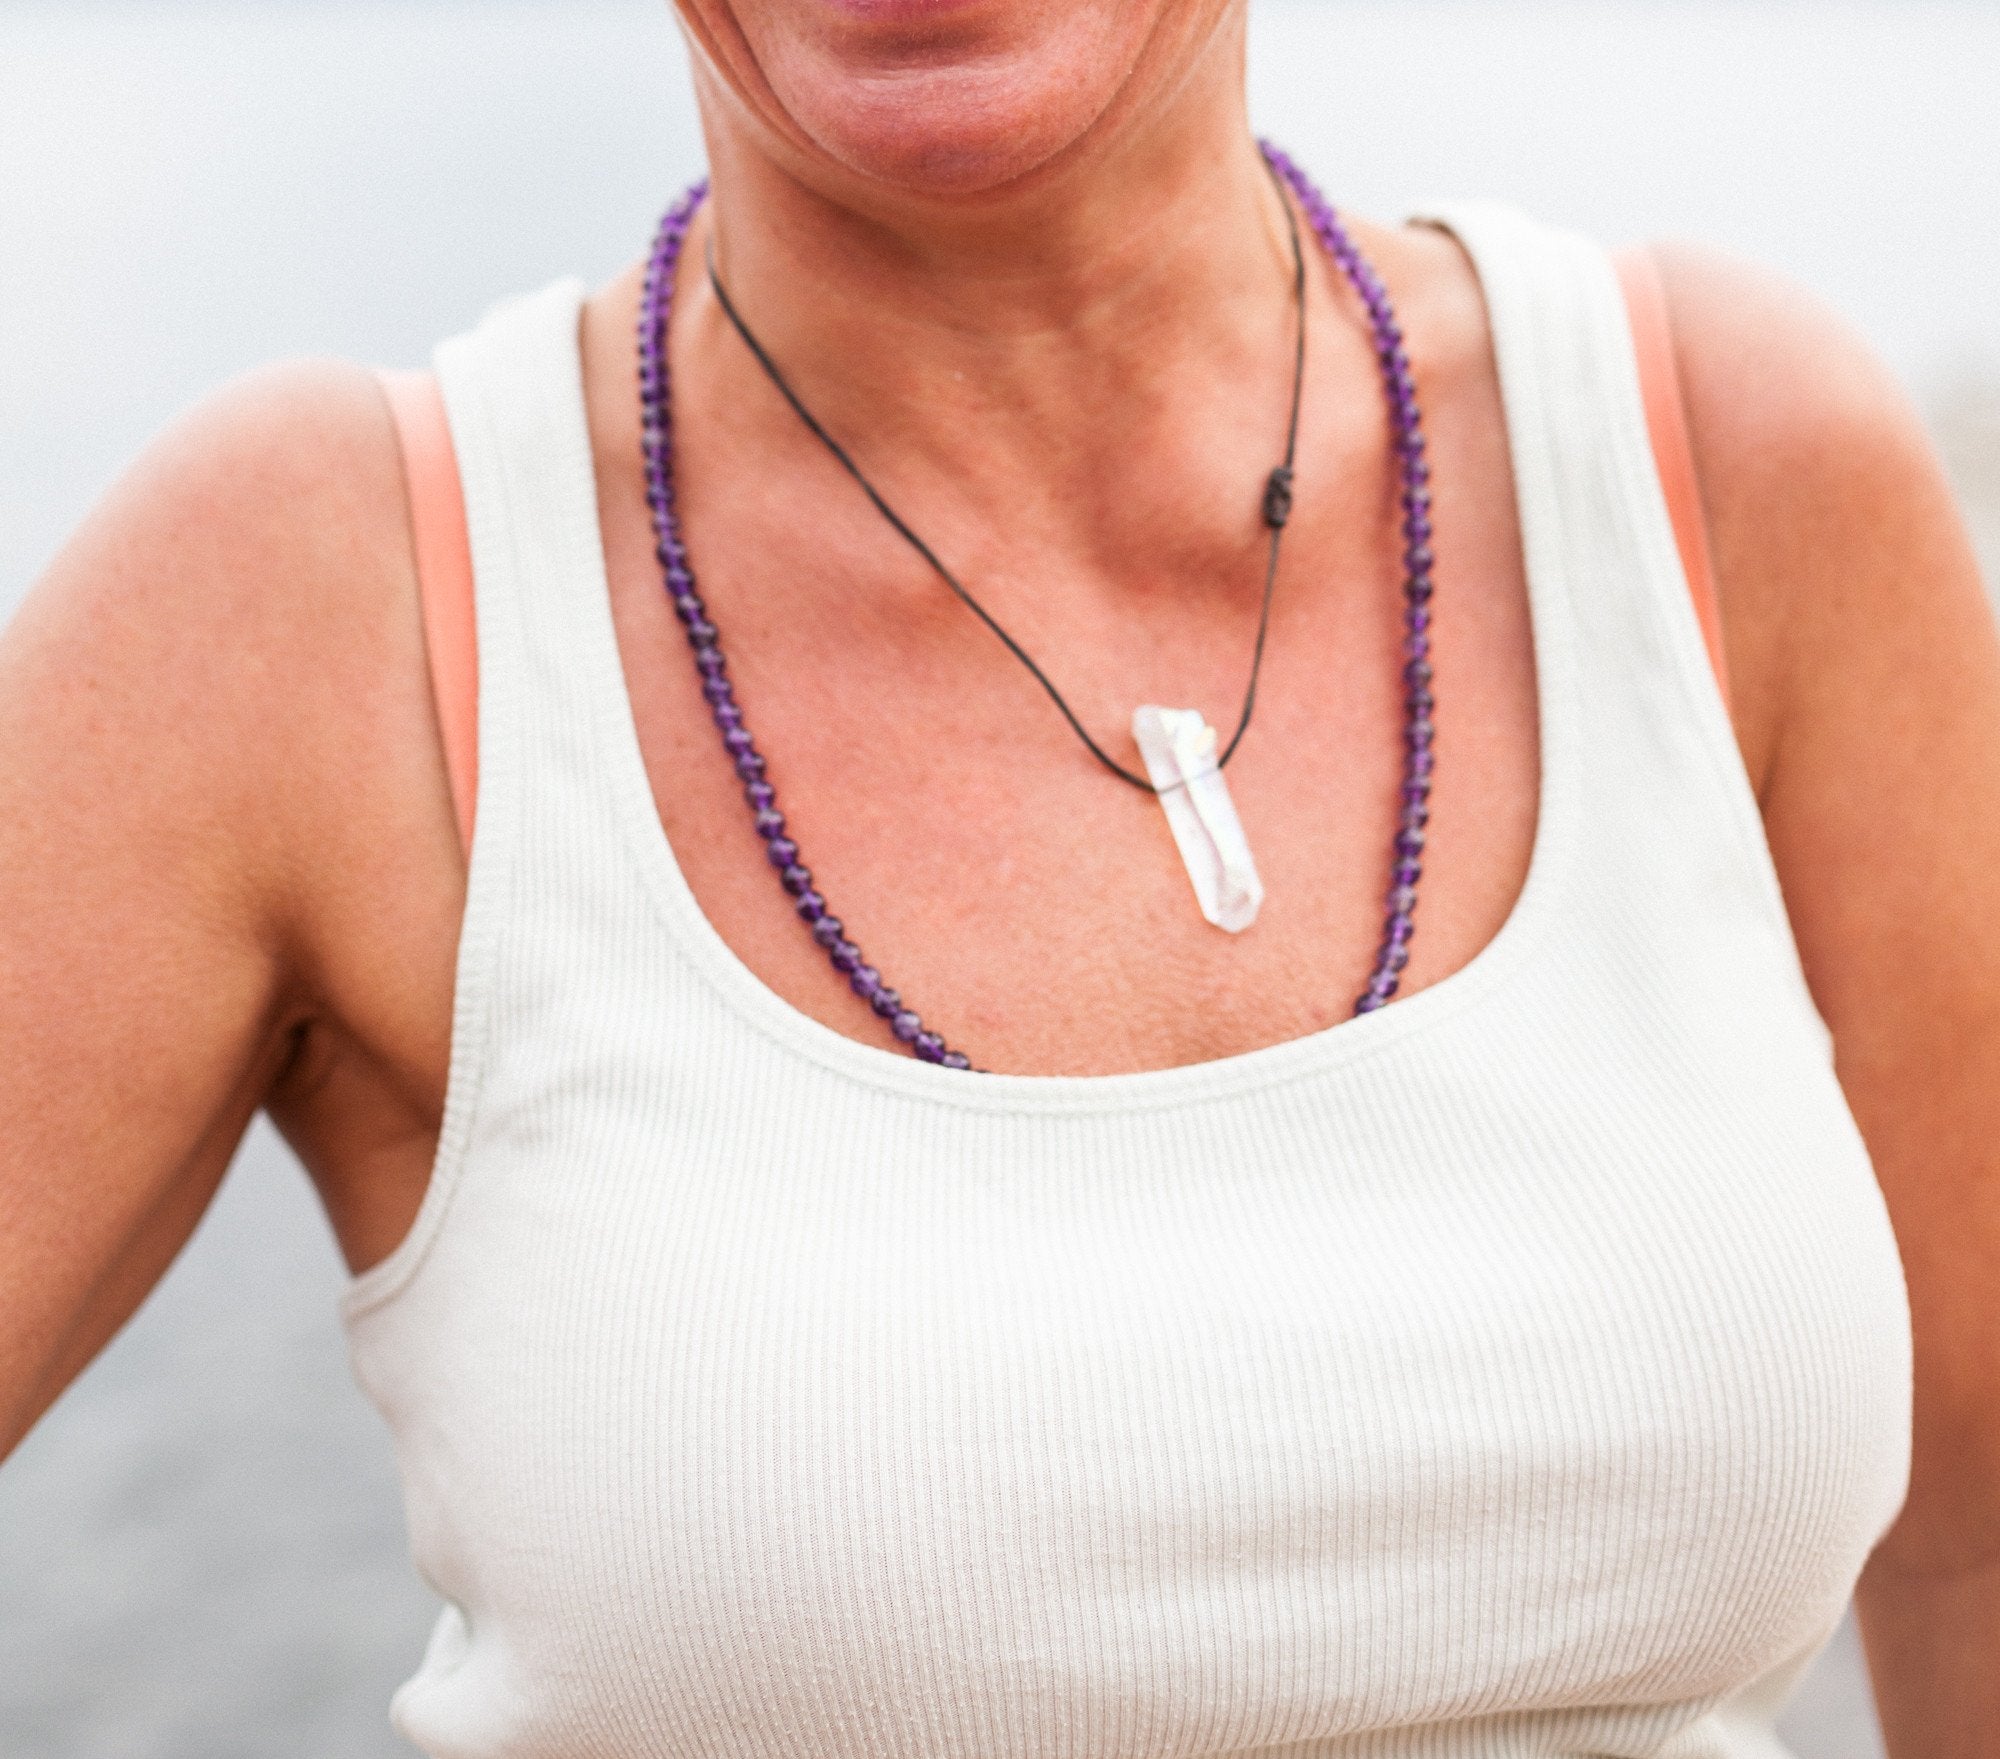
(513,390)
(1620,649)
(1645,291)
(1588,478)
(444,577)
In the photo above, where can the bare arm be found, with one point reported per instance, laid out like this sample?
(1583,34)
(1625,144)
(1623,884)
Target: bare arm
(1868,706)
(171,854)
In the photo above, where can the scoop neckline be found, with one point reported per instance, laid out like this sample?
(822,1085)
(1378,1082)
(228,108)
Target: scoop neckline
(1348,1040)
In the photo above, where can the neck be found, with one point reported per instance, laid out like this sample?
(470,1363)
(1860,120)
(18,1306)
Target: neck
(1026,328)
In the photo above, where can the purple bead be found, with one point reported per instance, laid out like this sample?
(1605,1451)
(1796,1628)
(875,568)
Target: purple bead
(750,766)
(717,689)
(906,1026)
(928,1046)
(1419,559)
(866,982)
(1417,589)
(1422,763)
(1417,672)
(710,661)
(1368,1003)
(1401,928)
(797,879)
(1402,899)
(886,1002)
(1419,731)
(1410,841)
(1417,620)
(761,795)
(1418,647)
(828,931)
(955,1060)
(726,715)
(846,956)
(769,822)
(1407,871)
(702,632)
(1396,957)
(738,740)
(810,905)
(782,852)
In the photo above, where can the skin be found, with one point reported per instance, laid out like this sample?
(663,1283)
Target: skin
(1023,255)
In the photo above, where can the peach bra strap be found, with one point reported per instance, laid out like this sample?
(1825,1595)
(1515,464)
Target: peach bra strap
(1673,453)
(444,578)
(444,557)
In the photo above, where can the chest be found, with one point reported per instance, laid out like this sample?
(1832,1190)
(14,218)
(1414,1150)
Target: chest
(1031,906)
(1566,1376)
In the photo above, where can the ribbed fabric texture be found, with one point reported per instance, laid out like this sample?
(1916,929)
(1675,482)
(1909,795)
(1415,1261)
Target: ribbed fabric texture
(1520,1370)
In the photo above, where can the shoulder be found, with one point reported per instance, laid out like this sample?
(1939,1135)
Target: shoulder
(1834,531)
(293,468)
(233,627)
(274,504)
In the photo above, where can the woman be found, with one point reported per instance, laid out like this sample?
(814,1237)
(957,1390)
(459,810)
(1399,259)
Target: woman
(1520,1367)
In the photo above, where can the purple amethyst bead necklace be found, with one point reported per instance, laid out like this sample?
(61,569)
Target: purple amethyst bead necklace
(1413,468)
(656,432)
(704,639)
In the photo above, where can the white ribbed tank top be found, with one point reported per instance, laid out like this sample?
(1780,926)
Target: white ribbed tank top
(1522,1369)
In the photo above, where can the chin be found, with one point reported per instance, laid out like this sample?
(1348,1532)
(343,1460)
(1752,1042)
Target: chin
(947,98)
(956,132)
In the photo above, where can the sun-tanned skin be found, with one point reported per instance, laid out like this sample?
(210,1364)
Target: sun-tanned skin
(1022,255)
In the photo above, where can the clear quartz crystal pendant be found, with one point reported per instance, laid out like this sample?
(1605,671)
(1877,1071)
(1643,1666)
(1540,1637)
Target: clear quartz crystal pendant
(1179,750)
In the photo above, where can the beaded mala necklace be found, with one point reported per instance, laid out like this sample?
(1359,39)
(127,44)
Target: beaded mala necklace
(704,638)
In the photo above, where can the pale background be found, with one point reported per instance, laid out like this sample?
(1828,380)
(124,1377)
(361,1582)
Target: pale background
(200,1549)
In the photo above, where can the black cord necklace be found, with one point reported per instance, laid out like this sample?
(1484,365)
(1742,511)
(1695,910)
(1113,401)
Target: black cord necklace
(1276,507)
(1413,474)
